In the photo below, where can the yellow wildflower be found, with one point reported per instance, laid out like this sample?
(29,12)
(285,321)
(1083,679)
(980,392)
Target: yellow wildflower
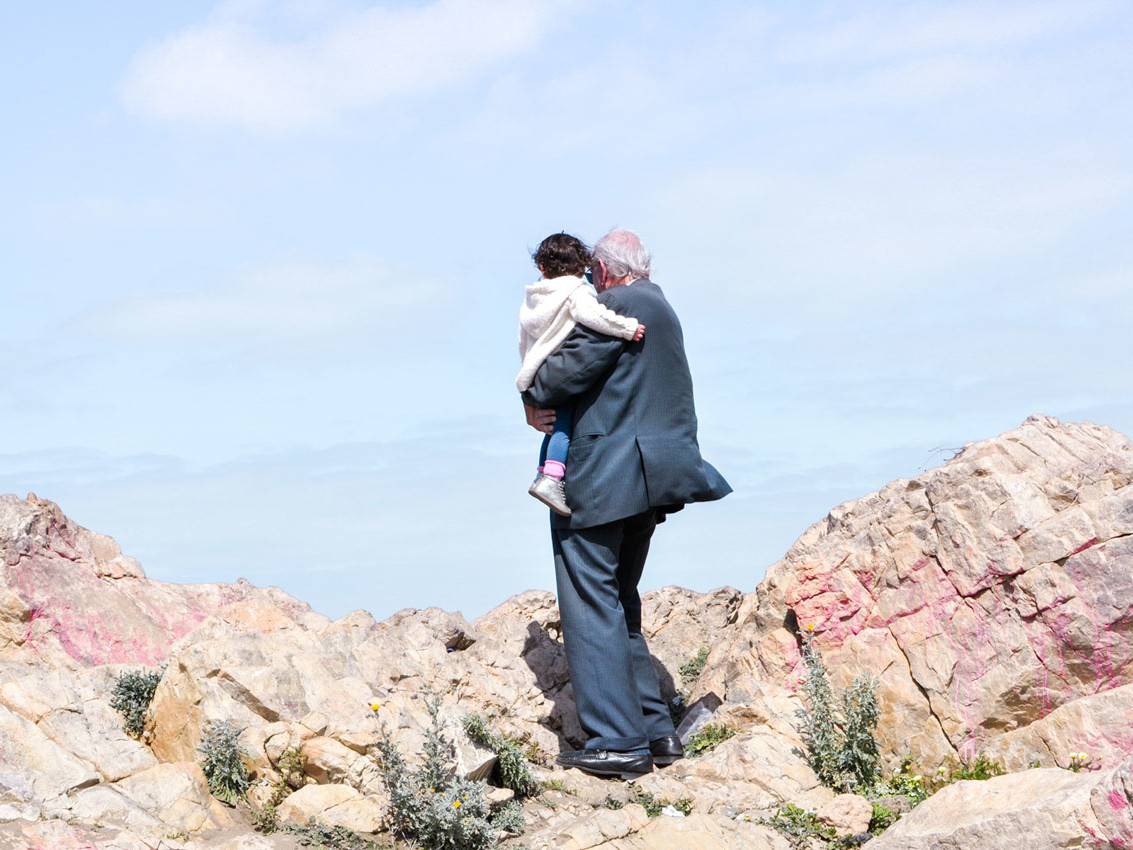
(810,628)
(374,706)
(456,804)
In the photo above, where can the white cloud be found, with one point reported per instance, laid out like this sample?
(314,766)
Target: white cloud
(926,28)
(236,69)
(876,224)
(283,302)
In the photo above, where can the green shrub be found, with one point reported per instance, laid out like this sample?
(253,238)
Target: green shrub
(264,818)
(512,769)
(431,807)
(689,672)
(653,805)
(801,827)
(839,739)
(510,819)
(707,738)
(981,767)
(320,835)
(881,819)
(132,695)
(223,762)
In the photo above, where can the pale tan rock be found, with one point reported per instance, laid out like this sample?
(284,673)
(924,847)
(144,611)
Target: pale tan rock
(678,623)
(1042,809)
(328,761)
(848,814)
(1097,725)
(178,794)
(60,835)
(764,762)
(603,825)
(250,679)
(498,796)
(15,613)
(92,730)
(36,769)
(337,805)
(247,842)
(699,832)
(106,804)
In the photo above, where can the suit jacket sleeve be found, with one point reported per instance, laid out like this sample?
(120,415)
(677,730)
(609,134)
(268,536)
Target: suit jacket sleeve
(573,367)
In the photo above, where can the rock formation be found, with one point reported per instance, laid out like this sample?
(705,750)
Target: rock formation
(992,597)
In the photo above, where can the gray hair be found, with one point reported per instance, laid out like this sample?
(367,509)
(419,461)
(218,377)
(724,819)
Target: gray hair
(622,253)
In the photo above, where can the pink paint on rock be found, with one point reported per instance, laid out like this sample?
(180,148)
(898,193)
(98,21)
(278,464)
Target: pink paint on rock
(1117,801)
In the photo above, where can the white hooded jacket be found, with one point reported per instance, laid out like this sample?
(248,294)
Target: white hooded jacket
(549,313)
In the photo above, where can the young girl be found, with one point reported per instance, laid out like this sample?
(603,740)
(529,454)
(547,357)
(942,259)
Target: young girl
(554,304)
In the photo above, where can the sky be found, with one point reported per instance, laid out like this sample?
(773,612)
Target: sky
(261,263)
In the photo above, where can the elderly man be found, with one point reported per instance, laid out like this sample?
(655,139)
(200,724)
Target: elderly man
(633,459)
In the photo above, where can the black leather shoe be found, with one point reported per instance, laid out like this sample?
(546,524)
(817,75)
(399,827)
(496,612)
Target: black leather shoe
(608,763)
(666,750)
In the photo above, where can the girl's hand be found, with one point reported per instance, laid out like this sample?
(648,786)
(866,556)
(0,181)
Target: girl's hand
(639,333)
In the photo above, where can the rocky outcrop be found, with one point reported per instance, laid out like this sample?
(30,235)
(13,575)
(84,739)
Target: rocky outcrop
(993,598)
(984,594)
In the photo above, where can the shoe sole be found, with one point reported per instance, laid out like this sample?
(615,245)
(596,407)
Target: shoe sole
(627,775)
(550,504)
(620,774)
(665,761)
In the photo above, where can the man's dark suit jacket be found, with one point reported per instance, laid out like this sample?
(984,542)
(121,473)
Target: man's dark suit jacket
(633,445)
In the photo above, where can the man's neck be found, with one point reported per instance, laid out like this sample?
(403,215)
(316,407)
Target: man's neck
(611,282)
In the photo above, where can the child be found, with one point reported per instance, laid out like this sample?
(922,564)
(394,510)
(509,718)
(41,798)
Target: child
(554,304)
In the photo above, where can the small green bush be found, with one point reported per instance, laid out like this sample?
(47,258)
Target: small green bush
(981,767)
(132,695)
(512,769)
(881,819)
(707,738)
(689,672)
(653,805)
(801,827)
(223,762)
(510,819)
(839,738)
(432,808)
(320,835)
(264,818)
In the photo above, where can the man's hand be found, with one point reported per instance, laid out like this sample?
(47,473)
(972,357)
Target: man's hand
(539,419)
(639,333)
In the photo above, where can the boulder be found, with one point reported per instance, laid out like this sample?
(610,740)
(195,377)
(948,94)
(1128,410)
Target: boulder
(1097,725)
(847,814)
(178,794)
(33,768)
(1041,809)
(336,805)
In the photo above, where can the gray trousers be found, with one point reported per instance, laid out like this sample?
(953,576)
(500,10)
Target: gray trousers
(615,689)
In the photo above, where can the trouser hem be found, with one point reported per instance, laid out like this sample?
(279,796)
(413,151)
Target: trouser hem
(620,745)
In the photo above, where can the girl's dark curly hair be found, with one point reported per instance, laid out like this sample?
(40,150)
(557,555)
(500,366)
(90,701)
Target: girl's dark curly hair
(562,254)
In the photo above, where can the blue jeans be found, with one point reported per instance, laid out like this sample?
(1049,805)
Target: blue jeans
(556,444)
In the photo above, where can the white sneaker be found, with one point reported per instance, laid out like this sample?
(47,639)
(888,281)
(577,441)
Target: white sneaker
(550,492)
